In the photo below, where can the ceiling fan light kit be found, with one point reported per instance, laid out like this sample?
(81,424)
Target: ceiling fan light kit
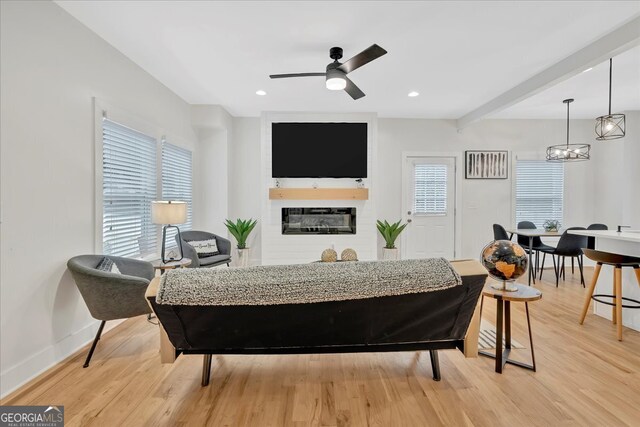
(336,79)
(336,72)
(568,152)
(611,126)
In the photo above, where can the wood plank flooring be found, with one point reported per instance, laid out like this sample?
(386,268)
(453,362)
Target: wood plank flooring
(585,377)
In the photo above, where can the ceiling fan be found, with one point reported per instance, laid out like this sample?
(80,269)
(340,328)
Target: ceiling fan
(336,74)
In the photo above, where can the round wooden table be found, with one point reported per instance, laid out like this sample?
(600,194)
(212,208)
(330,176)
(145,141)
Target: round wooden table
(504,299)
(163,266)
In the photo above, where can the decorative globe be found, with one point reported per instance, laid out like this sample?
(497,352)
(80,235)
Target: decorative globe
(329,255)
(504,260)
(349,255)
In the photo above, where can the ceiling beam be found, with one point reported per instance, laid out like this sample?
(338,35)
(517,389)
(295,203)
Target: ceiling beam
(617,41)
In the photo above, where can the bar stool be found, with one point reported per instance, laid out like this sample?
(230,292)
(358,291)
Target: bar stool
(618,262)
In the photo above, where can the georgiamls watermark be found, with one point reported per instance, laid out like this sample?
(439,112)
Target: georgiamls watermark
(31,416)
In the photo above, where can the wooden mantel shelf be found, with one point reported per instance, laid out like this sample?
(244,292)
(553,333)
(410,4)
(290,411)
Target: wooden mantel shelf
(319,193)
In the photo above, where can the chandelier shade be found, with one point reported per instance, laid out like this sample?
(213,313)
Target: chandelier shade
(568,152)
(610,126)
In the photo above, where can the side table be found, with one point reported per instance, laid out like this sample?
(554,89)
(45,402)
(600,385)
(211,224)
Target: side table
(503,301)
(162,266)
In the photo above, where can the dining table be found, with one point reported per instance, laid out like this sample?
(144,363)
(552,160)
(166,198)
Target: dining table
(531,233)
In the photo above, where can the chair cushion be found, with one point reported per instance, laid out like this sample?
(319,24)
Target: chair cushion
(205,248)
(107,264)
(543,247)
(214,260)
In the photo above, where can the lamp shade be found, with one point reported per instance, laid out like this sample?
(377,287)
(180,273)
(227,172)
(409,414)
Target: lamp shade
(168,212)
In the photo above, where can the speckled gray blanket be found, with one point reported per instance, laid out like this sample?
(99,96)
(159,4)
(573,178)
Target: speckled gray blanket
(304,283)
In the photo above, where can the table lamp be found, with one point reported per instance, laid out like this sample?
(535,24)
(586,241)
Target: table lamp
(169,213)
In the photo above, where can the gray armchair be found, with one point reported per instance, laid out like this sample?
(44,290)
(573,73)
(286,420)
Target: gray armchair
(224,247)
(111,296)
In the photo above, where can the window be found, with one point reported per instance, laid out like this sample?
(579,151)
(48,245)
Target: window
(176,182)
(430,189)
(129,175)
(539,191)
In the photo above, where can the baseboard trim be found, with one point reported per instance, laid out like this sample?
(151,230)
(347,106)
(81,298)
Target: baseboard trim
(16,376)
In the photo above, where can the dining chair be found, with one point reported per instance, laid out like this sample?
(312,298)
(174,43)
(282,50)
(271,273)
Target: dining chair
(499,233)
(591,241)
(569,245)
(537,243)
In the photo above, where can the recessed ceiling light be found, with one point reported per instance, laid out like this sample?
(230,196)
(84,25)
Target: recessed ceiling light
(413,94)
(261,92)
(588,69)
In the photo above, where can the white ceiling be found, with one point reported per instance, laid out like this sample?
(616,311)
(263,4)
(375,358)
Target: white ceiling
(458,55)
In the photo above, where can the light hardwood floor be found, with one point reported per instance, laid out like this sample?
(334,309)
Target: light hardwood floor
(585,377)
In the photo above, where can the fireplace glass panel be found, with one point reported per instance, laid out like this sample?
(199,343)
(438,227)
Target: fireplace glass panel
(318,220)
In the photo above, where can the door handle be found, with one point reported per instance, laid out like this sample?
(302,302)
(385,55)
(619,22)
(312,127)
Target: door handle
(409,213)
(409,220)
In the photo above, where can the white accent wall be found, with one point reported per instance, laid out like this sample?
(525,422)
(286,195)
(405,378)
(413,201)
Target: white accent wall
(293,249)
(52,67)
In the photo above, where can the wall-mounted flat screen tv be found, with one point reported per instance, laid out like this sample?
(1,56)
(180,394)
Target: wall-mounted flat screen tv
(319,150)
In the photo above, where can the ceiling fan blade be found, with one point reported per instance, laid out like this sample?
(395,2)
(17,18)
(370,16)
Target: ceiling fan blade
(353,90)
(369,54)
(285,76)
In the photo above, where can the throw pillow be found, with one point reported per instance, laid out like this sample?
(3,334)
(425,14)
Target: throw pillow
(115,269)
(107,264)
(205,248)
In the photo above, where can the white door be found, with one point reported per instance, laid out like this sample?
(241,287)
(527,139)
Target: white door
(429,207)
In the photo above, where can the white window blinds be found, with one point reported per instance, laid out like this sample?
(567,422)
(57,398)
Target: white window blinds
(430,189)
(177,182)
(129,176)
(539,191)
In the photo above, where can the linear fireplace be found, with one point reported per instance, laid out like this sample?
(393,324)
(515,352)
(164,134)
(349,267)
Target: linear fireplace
(318,220)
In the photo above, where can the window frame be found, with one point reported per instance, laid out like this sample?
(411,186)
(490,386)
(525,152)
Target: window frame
(528,156)
(447,203)
(103,109)
(170,243)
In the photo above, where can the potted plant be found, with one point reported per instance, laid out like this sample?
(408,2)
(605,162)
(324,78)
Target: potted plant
(390,233)
(551,225)
(241,230)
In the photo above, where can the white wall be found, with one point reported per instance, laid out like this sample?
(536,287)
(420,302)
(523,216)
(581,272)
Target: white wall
(280,249)
(483,201)
(213,125)
(244,179)
(631,177)
(51,68)
(616,177)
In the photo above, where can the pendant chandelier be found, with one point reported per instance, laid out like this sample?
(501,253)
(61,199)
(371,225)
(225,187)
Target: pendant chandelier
(611,126)
(568,152)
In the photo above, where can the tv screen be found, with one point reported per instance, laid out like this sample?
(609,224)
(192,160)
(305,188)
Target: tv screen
(319,150)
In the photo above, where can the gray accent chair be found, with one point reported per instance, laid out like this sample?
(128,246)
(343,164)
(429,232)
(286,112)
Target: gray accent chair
(224,247)
(111,296)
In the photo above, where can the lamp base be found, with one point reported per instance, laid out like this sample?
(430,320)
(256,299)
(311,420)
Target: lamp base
(164,239)
(507,287)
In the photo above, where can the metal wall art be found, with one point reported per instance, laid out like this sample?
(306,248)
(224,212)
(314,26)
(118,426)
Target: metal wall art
(486,165)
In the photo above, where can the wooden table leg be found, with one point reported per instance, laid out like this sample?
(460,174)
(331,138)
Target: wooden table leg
(499,329)
(530,260)
(533,356)
(507,324)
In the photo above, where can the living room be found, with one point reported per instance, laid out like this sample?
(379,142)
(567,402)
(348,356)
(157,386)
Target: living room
(192,81)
